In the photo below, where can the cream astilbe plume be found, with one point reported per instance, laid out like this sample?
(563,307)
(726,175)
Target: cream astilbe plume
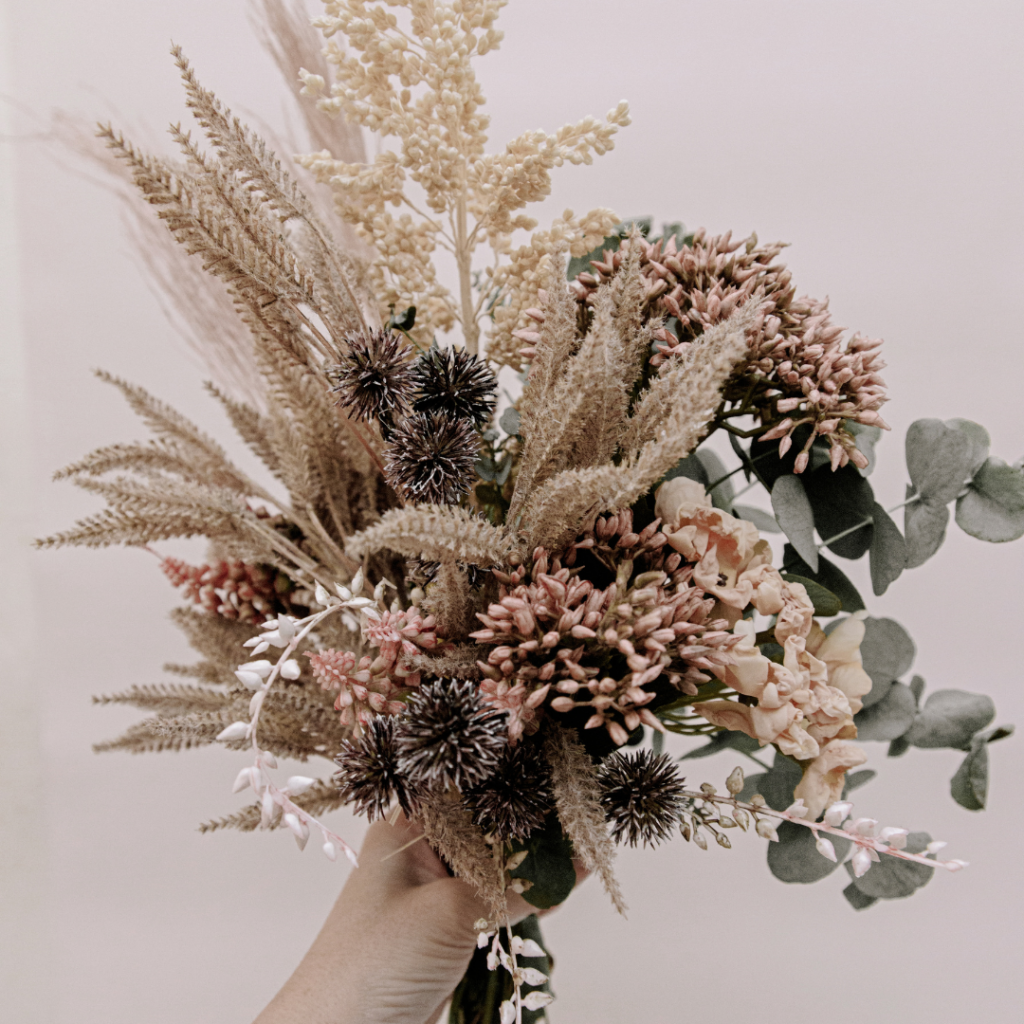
(578,800)
(408,79)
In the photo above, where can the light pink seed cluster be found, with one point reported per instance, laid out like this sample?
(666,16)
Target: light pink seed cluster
(813,376)
(372,687)
(554,633)
(232,590)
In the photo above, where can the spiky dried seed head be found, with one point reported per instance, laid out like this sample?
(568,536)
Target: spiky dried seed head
(375,378)
(368,773)
(456,382)
(430,457)
(642,796)
(517,798)
(449,736)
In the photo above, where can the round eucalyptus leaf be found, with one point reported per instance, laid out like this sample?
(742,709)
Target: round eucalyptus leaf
(857,899)
(795,858)
(842,503)
(509,421)
(969,786)
(939,459)
(980,441)
(993,507)
(547,865)
(887,652)
(888,557)
(892,878)
(722,495)
(950,718)
(924,523)
(889,718)
(764,521)
(779,781)
(793,513)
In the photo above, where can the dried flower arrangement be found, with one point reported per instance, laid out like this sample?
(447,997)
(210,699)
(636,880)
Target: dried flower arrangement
(490,622)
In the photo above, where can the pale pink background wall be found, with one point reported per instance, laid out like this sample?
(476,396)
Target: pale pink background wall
(884,140)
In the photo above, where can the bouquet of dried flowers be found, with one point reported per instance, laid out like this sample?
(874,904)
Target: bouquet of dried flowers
(490,622)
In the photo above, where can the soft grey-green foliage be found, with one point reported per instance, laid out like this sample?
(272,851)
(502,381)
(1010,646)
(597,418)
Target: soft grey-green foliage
(793,513)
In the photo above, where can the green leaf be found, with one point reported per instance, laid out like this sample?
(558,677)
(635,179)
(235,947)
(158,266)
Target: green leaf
(867,437)
(509,421)
(939,459)
(779,782)
(826,604)
(842,501)
(892,878)
(898,747)
(950,718)
(829,575)
(722,495)
(857,899)
(969,786)
(795,858)
(979,438)
(924,523)
(993,507)
(404,321)
(888,551)
(854,780)
(765,522)
(548,865)
(692,468)
(889,718)
(887,652)
(793,512)
(725,740)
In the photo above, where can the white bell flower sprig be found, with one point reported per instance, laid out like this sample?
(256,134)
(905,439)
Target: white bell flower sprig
(511,1010)
(868,840)
(286,633)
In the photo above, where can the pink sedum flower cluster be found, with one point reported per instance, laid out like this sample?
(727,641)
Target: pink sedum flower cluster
(374,685)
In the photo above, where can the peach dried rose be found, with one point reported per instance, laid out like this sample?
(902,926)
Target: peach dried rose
(822,784)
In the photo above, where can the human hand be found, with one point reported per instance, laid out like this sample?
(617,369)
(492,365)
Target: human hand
(396,943)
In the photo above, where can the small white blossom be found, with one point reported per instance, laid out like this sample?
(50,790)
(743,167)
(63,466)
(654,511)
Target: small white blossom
(895,837)
(537,1000)
(735,781)
(235,731)
(825,848)
(837,813)
(290,669)
(242,781)
(507,1012)
(532,976)
(526,947)
(936,846)
(330,850)
(864,826)
(262,668)
(861,862)
(298,784)
(766,830)
(798,810)
(250,680)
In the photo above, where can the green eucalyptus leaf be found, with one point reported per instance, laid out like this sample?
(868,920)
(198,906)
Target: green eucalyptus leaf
(509,421)
(980,441)
(842,501)
(692,468)
(866,437)
(829,575)
(548,865)
(404,321)
(857,899)
(854,780)
(924,523)
(889,718)
(722,495)
(826,604)
(893,878)
(898,747)
(886,652)
(725,740)
(794,514)
(993,507)
(764,521)
(969,786)
(779,782)
(939,459)
(888,551)
(795,857)
(950,718)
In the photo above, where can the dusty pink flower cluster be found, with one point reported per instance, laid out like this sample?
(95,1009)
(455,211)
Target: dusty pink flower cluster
(812,377)
(564,643)
(372,686)
(233,590)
